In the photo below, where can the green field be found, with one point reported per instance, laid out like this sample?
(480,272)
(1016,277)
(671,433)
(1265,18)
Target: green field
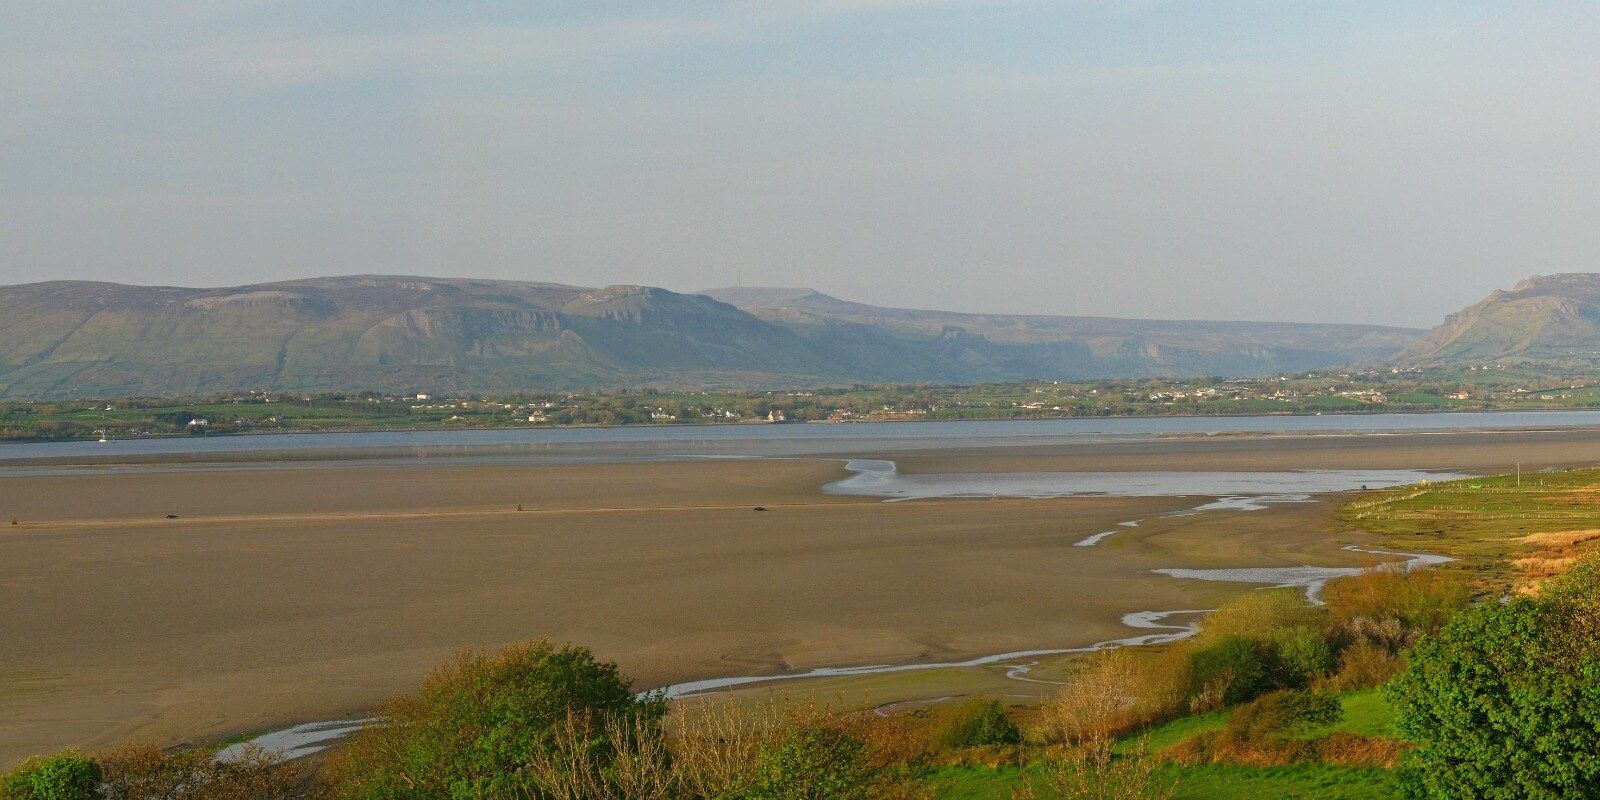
(1308,393)
(1487,523)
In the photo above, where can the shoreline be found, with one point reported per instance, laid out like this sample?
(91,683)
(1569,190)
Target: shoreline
(307,738)
(830,422)
(676,449)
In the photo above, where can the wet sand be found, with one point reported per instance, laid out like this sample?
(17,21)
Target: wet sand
(1475,452)
(285,595)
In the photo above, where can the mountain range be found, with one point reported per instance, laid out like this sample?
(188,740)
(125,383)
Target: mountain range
(396,333)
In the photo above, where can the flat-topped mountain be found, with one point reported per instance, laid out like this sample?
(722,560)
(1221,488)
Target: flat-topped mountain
(394,333)
(1100,346)
(1551,320)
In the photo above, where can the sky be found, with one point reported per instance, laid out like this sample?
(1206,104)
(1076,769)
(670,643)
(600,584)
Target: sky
(1383,162)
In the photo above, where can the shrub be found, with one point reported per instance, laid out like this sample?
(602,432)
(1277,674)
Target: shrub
(715,744)
(1273,730)
(977,723)
(1283,715)
(574,767)
(1258,614)
(65,776)
(1504,702)
(1346,749)
(775,751)
(812,762)
(1092,772)
(1301,656)
(1114,691)
(1422,601)
(1231,670)
(478,722)
(1388,633)
(1363,665)
(149,773)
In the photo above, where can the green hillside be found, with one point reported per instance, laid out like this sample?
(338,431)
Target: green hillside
(389,333)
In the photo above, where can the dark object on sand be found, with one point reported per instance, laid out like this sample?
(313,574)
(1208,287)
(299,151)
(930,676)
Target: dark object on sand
(761,508)
(172,516)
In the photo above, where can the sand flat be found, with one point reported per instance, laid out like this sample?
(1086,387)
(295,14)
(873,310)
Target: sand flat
(292,594)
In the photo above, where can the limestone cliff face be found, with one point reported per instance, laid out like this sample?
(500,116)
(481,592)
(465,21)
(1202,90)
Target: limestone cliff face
(1545,320)
(402,333)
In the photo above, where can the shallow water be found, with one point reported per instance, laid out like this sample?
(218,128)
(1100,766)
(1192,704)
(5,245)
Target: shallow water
(1148,620)
(298,741)
(1236,490)
(1245,491)
(797,439)
(1311,579)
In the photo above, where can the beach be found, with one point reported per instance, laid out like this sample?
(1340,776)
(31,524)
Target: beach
(282,594)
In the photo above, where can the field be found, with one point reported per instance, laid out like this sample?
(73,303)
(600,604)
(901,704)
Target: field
(1311,393)
(1508,531)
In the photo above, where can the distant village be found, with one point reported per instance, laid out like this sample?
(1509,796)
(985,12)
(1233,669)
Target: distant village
(1479,387)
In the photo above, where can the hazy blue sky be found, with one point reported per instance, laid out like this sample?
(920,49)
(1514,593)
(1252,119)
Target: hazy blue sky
(1378,162)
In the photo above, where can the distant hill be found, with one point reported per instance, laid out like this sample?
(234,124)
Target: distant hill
(65,339)
(1062,346)
(1546,321)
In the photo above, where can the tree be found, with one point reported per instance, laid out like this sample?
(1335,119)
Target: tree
(1505,702)
(480,721)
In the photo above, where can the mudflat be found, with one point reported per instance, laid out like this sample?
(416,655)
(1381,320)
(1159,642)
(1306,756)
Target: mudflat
(280,595)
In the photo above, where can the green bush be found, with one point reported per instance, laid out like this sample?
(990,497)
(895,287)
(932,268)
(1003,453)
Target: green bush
(812,762)
(1283,715)
(977,723)
(477,723)
(1301,656)
(1257,614)
(1505,703)
(66,776)
(1231,670)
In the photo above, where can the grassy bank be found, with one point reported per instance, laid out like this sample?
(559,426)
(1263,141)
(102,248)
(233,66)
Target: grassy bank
(1507,531)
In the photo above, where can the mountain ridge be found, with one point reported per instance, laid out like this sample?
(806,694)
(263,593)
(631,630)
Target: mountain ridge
(1545,320)
(402,333)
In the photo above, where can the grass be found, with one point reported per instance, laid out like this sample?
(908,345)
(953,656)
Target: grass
(1208,782)
(1365,712)
(1483,522)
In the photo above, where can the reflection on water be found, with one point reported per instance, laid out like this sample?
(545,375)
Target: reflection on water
(778,440)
